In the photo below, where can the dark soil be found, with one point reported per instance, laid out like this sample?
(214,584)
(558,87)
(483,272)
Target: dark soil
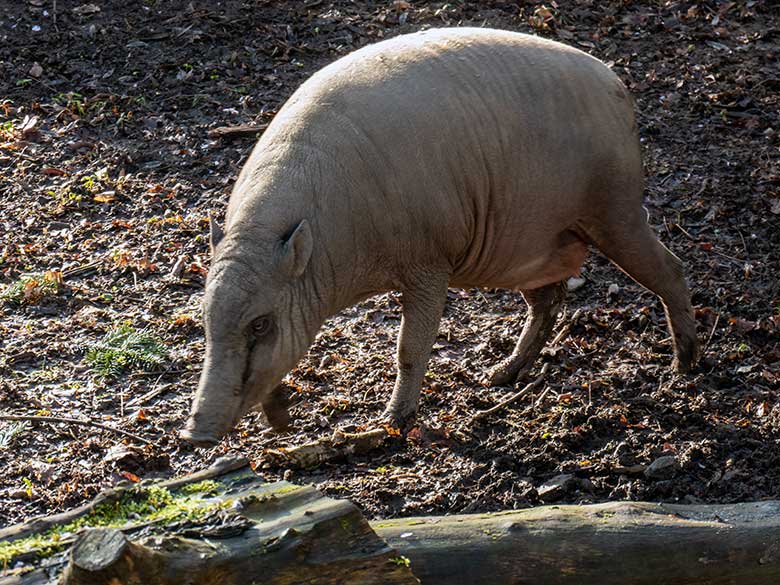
(108,182)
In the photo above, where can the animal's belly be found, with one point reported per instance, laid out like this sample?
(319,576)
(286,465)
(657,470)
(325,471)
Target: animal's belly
(516,269)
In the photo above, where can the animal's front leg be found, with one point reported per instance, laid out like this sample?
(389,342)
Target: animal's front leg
(423,305)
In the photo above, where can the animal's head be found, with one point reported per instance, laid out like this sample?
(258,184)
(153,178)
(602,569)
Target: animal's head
(258,324)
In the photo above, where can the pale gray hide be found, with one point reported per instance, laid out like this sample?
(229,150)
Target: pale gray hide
(452,157)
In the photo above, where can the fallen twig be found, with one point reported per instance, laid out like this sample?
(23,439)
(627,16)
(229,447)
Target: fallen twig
(82,270)
(153,393)
(74,421)
(234,131)
(712,332)
(325,450)
(566,327)
(515,397)
(39,524)
(178,268)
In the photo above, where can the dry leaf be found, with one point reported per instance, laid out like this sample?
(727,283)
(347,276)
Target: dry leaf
(392,431)
(183,320)
(54,171)
(105,197)
(130,476)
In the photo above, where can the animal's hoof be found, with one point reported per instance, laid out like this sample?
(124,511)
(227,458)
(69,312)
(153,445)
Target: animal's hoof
(198,439)
(499,377)
(401,420)
(686,355)
(507,373)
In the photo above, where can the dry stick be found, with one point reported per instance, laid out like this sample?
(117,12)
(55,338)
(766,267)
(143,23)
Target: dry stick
(80,270)
(39,524)
(231,131)
(713,250)
(153,393)
(515,397)
(74,421)
(712,332)
(566,327)
(542,396)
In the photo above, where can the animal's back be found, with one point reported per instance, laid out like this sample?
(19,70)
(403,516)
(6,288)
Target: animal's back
(468,146)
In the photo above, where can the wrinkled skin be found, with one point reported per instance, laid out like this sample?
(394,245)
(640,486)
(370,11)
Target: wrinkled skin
(452,157)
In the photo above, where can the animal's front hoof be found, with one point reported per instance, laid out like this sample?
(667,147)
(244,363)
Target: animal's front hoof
(400,420)
(198,439)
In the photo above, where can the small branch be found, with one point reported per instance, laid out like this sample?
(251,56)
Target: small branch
(566,327)
(712,332)
(236,131)
(221,466)
(153,393)
(515,397)
(178,267)
(82,270)
(325,450)
(75,421)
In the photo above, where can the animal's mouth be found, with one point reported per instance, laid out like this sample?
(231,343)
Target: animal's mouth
(275,407)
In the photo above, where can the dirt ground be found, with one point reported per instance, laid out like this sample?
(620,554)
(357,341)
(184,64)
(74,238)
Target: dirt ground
(108,171)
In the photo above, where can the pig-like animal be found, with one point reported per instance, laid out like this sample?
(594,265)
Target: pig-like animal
(452,157)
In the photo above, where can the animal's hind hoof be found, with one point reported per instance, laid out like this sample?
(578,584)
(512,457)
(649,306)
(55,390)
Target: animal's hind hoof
(499,377)
(686,355)
(506,373)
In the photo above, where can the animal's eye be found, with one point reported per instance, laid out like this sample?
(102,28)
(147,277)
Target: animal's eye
(261,326)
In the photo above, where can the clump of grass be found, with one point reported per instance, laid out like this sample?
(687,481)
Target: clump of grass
(33,288)
(9,432)
(124,348)
(7,130)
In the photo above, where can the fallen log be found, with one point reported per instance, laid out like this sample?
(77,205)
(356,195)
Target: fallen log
(232,528)
(612,543)
(225,525)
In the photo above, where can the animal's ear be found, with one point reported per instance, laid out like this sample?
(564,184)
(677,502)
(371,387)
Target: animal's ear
(215,233)
(296,250)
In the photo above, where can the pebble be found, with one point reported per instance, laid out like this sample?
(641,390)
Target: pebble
(664,467)
(554,488)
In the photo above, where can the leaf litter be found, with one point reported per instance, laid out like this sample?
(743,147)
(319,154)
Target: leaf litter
(110,163)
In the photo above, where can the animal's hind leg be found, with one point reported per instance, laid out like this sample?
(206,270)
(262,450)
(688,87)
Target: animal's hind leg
(630,243)
(544,303)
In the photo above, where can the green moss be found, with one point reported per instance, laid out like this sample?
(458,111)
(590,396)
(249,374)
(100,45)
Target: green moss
(286,490)
(154,505)
(44,545)
(207,486)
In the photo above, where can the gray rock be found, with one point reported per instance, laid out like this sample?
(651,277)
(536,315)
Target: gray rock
(554,488)
(665,467)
